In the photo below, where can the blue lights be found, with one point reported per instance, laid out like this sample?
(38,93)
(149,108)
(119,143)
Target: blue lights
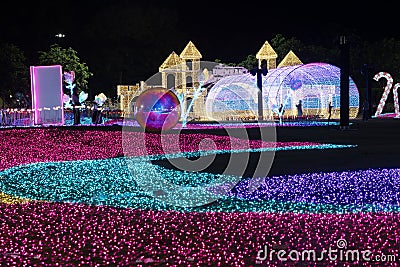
(315,84)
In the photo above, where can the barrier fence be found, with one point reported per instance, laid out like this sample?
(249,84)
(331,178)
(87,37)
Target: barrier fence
(26,117)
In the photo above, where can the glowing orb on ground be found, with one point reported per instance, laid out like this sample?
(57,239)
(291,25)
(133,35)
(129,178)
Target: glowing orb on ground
(157,109)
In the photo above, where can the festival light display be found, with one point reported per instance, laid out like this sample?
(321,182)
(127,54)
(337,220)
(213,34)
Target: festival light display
(91,210)
(388,87)
(74,234)
(69,79)
(157,109)
(47,97)
(315,84)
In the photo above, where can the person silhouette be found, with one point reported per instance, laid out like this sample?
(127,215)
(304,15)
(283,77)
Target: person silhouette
(97,116)
(281,110)
(299,107)
(365,110)
(329,111)
(76,106)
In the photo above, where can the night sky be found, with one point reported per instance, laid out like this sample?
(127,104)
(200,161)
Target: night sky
(225,30)
(218,28)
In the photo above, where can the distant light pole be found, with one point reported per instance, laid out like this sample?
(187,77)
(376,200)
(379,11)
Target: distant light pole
(60,35)
(344,83)
(366,70)
(260,71)
(60,38)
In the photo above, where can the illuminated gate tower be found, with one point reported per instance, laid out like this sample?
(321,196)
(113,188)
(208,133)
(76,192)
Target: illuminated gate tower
(181,72)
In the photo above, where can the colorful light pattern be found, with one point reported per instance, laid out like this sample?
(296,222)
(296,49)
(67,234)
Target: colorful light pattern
(304,211)
(301,123)
(316,84)
(51,234)
(10,199)
(109,182)
(157,109)
(386,92)
(233,124)
(396,100)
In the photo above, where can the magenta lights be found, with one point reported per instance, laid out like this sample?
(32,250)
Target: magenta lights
(62,144)
(61,234)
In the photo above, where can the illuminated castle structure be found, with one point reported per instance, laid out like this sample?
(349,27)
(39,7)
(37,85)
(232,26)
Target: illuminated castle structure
(232,94)
(182,74)
(126,94)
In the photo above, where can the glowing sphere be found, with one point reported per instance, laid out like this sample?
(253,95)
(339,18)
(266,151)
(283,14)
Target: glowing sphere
(157,109)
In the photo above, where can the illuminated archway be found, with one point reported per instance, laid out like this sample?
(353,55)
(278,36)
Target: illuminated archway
(315,84)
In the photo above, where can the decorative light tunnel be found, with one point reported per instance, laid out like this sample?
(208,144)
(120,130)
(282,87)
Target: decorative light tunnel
(315,84)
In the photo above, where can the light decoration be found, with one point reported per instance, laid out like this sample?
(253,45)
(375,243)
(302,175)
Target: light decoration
(10,199)
(197,93)
(65,234)
(61,144)
(293,212)
(316,84)
(152,152)
(69,78)
(301,123)
(82,97)
(56,144)
(100,99)
(191,81)
(396,100)
(233,124)
(386,92)
(46,91)
(108,182)
(157,109)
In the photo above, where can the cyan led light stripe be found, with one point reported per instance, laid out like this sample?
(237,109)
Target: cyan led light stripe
(109,182)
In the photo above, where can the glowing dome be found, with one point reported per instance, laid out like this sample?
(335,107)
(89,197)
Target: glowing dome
(315,84)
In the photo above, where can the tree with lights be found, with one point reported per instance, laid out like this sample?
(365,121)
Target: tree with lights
(69,60)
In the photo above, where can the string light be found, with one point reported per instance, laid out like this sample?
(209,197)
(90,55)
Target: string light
(91,211)
(48,233)
(315,84)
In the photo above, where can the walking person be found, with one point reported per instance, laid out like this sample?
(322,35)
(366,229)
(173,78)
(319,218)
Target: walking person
(281,110)
(299,107)
(329,111)
(76,106)
(97,116)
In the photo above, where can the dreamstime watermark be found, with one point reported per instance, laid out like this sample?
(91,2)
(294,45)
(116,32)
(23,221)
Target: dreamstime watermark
(339,252)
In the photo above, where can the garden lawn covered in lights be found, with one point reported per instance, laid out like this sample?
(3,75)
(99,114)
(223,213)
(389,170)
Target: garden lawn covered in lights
(68,197)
